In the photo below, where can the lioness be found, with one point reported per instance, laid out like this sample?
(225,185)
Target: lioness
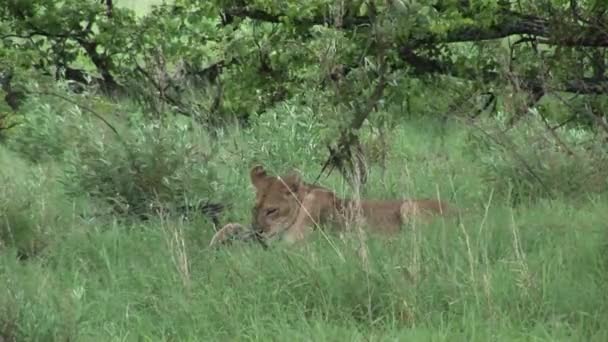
(287,208)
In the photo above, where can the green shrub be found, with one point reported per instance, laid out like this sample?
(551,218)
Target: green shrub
(151,167)
(40,136)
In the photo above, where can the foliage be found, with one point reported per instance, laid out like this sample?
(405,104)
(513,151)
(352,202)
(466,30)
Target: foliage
(41,135)
(154,167)
(244,59)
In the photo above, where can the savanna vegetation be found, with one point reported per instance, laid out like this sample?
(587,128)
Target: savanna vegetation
(128,128)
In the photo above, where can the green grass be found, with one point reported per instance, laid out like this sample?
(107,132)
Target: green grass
(532,272)
(516,266)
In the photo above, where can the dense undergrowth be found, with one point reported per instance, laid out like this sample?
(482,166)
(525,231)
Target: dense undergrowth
(528,259)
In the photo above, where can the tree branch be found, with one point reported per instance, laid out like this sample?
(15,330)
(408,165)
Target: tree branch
(260,15)
(513,23)
(342,155)
(109,7)
(586,86)
(508,23)
(422,65)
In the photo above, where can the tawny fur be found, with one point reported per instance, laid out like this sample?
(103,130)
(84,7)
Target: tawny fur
(289,209)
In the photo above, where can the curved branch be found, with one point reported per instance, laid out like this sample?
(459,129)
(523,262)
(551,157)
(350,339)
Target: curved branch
(508,23)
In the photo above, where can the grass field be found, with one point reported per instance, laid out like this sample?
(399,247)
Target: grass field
(524,262)
(531,272)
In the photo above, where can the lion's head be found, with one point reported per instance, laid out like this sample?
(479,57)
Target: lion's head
(277,201)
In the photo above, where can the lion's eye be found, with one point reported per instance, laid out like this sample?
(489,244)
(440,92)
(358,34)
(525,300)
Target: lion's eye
(271,211)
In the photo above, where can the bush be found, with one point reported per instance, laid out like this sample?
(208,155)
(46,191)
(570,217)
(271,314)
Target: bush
(40,136)
(153,167)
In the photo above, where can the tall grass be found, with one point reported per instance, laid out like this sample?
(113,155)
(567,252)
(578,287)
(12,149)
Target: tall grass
(531,272)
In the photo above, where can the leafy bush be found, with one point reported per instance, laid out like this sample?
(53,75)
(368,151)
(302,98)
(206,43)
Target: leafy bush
(40,136)
(153,167)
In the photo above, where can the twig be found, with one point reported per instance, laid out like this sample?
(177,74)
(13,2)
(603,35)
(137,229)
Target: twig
(565,122)
(597,120)
(347,137)
(97,115)
(163,96)
(554,134)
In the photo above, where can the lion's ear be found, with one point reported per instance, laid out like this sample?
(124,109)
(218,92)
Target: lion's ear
(293,180)
(258,176)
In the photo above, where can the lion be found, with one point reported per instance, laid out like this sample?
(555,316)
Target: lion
(288,209)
